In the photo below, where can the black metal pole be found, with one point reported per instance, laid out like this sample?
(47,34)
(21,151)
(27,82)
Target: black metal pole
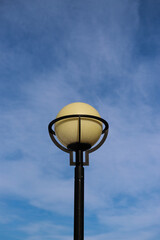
(79,197)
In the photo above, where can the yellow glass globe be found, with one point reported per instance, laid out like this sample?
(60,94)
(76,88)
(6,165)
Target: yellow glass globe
(67,130)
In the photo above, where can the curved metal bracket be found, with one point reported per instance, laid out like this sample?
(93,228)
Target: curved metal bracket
(96,147)
(52,133)
(62,148)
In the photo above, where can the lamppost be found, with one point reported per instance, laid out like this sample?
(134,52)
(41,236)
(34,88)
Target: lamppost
(78,126)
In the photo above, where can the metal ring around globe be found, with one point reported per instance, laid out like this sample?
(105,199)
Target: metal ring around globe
(77,116)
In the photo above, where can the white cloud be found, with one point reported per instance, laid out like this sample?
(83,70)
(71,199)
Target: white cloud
(43,229)
(122,236)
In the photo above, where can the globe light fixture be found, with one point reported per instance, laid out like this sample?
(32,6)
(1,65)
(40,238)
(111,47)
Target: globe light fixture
(77,128)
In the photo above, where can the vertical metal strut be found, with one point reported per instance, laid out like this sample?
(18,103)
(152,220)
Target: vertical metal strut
(79,197)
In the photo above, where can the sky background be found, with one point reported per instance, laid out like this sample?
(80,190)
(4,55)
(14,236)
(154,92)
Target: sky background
(102,52)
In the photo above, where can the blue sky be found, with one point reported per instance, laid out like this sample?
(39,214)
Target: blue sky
(102,52)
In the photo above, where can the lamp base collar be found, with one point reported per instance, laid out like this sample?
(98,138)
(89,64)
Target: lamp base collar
(79,146)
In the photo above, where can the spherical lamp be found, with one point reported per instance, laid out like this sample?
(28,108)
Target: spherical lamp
(74,131)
